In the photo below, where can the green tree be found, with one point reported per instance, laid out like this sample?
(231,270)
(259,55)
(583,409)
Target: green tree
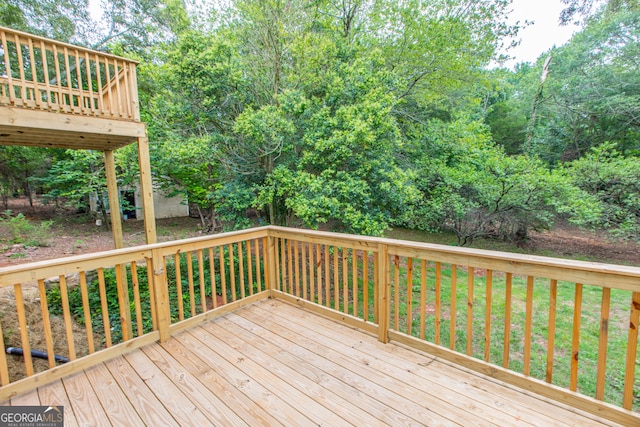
(471,187)
(58,19)
(614,180)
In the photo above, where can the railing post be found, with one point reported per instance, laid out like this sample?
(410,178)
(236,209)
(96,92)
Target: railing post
(161,295)
(384,293)
(271,261)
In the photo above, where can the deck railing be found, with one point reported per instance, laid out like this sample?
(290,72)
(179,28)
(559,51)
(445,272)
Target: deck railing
(43,74)
(564,329)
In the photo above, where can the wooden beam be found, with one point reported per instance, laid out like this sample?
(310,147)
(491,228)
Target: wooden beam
(114,199)
(45,120)
(34,137)
(146,189)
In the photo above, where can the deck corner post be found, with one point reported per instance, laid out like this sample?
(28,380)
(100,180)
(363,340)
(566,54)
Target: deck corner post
(161,295)
(384,293)
(271,262)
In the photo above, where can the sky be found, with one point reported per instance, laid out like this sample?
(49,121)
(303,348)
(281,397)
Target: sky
(543,34)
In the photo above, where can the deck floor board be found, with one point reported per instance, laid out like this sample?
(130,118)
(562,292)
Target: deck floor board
(495,396)
(272,363)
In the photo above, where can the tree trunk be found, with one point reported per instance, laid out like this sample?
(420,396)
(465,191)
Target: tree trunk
(534,110)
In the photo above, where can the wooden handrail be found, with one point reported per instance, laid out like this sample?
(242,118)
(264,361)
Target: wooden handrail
(370,283)
(44,74)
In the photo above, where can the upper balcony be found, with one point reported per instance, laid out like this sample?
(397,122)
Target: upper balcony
(54,94)
(276,326)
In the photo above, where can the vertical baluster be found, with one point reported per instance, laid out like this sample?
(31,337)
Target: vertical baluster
(56,61)
(250,267)
(241,269)
(296,262)
(528,326)
(105,308)
(223,275)
(423,298)
(312,266)
(354,279)
(123,301)
(438,299)
(116,76)
(336,283)
(267,266)
(87,311)
(376,290)
(487,319)
(276,263)
(507,321)
(4,368)
(453,308)
(192,295)
(101,108)
(396,292)
(258,275)
(551,338)
(327,279)
(212,269)
(365,285)
(602,345)
(69,82)
(283,260)
(319,275)
(23,89)
(126,92)
(203,292)
(66,311)
(24,331)
(107,76)
(45,70)
(176,259)
(409,295)
(232,272)
(470,280)
(305,265)
(575,338)
(46,323)
(152,286)
(345,281)
(632,349)
(37,96)
(87,70)
(81,96)
(290,265)
(8,71)
(319,283)
(136,297)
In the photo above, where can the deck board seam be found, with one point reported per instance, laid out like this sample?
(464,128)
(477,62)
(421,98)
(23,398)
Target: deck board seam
(325,372)
(311,317)
(411,398)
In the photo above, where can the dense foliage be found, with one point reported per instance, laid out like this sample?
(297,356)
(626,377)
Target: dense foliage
(361,115)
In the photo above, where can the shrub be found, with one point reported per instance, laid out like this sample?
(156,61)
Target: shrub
(19,230)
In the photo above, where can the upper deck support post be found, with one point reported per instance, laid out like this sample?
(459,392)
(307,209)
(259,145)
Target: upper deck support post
(146,189)
(114,199)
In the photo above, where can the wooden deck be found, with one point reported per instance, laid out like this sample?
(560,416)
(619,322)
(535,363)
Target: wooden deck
(275,364)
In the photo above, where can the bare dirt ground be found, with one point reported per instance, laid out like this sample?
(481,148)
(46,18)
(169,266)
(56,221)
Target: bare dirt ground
(74,234)
(568,241)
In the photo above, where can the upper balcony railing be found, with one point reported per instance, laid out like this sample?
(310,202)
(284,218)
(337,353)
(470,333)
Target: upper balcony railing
(564,329)
(43,74)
